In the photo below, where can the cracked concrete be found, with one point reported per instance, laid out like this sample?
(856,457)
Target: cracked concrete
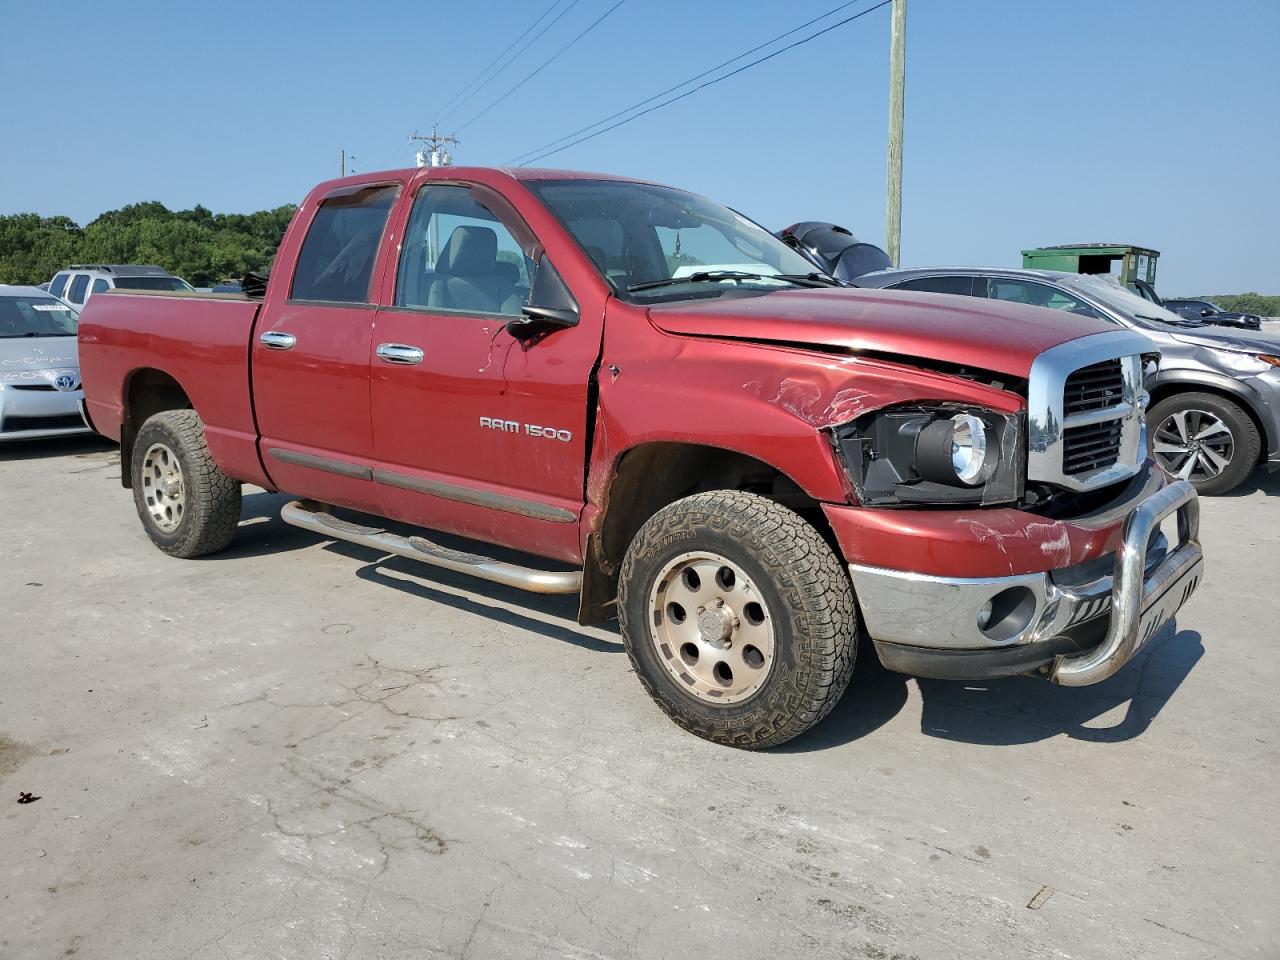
(303,749)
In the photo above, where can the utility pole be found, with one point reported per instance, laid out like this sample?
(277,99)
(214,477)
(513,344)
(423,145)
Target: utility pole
(897,84)
(433,154)
(342,165)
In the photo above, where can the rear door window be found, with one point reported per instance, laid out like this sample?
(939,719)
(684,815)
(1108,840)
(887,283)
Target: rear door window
(100,285)
(336,262)
(78,287)
(962,286)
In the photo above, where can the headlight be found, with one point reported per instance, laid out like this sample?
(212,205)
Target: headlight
(935,454)
(960,451)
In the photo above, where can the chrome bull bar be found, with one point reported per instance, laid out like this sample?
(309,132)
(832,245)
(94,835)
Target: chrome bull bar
(1140,604)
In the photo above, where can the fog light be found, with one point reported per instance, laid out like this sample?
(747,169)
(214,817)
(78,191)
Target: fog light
(984,616)
(1007,614)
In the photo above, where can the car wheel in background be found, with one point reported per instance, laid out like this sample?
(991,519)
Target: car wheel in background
(1204,438)
(738,618)
(187,505)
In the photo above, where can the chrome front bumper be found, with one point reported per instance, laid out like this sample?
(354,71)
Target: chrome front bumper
(976,628)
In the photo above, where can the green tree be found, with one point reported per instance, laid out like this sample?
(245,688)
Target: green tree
(198,245)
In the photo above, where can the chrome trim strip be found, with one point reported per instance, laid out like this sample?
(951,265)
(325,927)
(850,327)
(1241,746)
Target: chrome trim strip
(1045,415)
(479,498)
(1133,592)
(1089,417)
(417,548)
(342,468)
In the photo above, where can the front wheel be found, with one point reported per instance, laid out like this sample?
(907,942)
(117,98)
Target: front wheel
(738,618)
(187,505)
(1204,438)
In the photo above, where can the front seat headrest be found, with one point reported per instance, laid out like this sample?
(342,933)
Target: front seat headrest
(471,251)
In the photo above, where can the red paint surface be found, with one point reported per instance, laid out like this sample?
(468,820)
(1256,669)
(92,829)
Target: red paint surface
(687,373)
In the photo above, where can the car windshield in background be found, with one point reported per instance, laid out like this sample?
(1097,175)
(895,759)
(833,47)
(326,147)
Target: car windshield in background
(1111,293)
(654,243)
(152,283)
(35,317)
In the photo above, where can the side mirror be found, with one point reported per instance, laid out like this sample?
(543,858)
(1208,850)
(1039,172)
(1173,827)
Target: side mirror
(551,306)
(1206,312)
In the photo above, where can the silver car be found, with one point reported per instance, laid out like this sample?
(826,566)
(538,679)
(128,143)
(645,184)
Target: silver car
(40,392)
(1215,401)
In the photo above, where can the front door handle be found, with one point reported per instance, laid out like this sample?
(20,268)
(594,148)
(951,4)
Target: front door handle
(273,340)
(399,353)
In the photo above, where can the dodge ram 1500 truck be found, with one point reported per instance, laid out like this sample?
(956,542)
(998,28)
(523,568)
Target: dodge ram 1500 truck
(743,461)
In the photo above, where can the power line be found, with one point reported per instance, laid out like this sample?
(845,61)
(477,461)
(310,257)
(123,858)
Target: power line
(595,23)
(709,83)
(685,83)
(467,86)
(514,57)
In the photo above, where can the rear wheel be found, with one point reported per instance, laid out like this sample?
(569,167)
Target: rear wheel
(738,618)
(1204,438)
(187,505)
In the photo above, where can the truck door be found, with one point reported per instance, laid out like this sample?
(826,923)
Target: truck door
(310,352)
(474,432)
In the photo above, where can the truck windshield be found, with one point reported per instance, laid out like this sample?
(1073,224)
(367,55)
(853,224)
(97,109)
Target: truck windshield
(639,235)
(152,283)
(35,317)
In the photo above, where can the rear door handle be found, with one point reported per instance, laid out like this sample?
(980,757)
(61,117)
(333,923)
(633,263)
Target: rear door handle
(274,340)
(399,353)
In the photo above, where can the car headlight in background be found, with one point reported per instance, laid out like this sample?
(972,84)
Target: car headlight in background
(933,454)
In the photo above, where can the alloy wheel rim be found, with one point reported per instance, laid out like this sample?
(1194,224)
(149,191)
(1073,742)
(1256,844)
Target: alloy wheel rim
(1194,445)
(163,487)
(711,627)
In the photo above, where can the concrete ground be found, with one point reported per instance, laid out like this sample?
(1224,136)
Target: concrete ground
(299,749)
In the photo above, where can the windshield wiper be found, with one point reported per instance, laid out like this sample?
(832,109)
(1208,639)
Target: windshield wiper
(712,276)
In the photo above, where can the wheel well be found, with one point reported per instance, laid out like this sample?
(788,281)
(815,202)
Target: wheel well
(147,393)
(654,475)
(1167,390)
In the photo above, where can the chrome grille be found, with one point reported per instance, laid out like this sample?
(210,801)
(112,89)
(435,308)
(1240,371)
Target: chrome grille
(1094,387)
(1094,446)
(1085,421)
(1091,448)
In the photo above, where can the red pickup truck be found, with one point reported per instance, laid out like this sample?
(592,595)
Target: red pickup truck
(748,464)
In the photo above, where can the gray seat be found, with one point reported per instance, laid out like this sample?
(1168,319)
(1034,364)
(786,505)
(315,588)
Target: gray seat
(469,277)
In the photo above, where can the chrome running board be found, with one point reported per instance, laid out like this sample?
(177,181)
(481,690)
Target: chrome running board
(419,548)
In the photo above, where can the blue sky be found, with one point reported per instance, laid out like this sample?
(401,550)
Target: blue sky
(1143,121)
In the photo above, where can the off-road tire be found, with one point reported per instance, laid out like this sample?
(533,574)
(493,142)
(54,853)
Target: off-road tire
(212,499)
(808,594)
(1244,434)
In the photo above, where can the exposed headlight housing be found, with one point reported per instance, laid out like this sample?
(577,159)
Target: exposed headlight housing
(933,454)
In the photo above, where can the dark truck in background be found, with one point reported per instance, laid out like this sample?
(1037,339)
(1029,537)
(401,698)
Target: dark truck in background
(671,413)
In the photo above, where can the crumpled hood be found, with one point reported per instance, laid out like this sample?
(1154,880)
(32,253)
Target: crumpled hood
(982,334)
(37,359)
(1225,339)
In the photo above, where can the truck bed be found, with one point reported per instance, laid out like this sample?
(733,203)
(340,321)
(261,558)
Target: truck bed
(200,341)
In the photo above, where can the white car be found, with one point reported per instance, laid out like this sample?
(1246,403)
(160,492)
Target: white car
(40,392)
(78,283)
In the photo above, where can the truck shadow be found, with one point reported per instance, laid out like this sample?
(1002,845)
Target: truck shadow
(1017,710)
(262,533)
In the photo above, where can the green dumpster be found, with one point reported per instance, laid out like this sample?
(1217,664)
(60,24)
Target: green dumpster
(1124,261)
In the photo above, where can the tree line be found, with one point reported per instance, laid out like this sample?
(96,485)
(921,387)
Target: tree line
(1256,303)
(198,245)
